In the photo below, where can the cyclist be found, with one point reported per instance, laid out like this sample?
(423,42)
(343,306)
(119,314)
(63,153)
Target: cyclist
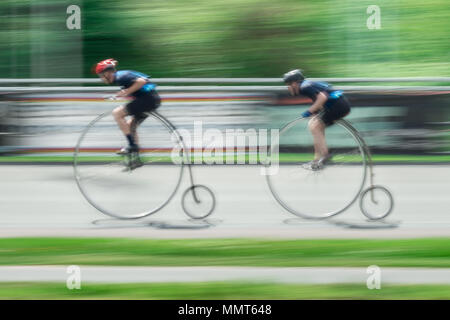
(328,106)
(134,84)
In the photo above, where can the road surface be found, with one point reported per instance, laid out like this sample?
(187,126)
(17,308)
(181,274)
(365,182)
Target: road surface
(43,200)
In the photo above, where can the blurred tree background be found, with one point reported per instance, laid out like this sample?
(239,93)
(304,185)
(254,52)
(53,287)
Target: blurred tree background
(233,38)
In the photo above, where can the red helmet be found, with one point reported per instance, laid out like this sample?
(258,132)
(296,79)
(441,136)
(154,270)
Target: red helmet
(104,65)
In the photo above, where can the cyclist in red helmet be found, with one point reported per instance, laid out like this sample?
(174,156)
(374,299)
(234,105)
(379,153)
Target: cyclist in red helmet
(134,84)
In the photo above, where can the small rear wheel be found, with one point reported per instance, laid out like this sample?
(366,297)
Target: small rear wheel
(198,201)
(376,202)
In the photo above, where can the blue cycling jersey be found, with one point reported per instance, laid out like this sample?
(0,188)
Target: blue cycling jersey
(312,88)
(126,78)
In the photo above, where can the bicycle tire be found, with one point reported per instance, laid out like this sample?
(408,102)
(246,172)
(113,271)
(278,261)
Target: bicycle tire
(359,185)
(170,129)
(364,209)
(195,194)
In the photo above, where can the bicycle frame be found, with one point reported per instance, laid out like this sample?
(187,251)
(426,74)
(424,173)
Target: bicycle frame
(364,145)
(133,161)
(184,149)
(367,154)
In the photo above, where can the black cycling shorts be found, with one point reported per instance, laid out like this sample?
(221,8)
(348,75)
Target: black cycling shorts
(339,109)
(144,103)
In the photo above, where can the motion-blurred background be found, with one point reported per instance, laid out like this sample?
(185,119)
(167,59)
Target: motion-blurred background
(229,39)
(393,64)
(236,38)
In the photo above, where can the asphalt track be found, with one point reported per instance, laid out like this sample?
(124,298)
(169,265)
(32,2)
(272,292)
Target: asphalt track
(43,200)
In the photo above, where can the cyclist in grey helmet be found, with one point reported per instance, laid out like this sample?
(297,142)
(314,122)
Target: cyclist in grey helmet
(328,106)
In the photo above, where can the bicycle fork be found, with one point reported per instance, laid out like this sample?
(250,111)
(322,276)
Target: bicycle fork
(191,175)
(368,156)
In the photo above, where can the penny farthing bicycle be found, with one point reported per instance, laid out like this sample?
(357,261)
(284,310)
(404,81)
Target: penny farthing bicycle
(137,185)
(324,193)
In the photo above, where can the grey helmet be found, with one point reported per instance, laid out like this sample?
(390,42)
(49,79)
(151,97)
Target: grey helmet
(294,75)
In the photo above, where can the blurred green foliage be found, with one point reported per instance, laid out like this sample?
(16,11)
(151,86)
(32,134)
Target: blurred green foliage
(233,38)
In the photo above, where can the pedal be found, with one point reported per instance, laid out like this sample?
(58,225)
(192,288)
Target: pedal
(122,152)
(312,166)
(127,151)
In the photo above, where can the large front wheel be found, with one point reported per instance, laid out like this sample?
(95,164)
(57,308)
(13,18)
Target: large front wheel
(111,183)
(322,193)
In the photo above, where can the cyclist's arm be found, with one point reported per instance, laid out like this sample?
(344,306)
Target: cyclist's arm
(138,83)
(321,98)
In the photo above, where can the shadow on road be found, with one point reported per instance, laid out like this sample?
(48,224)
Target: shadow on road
(360,224)
(159,224)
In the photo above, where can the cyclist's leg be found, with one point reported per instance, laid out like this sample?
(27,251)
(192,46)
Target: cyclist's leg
(339,109)
(150,103)
(138,108)
(119,114)
(134,123)
(317,128)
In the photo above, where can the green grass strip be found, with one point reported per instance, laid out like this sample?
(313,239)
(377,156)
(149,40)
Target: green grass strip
(289,157)
(286,157)
(429,252)
(220,291)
